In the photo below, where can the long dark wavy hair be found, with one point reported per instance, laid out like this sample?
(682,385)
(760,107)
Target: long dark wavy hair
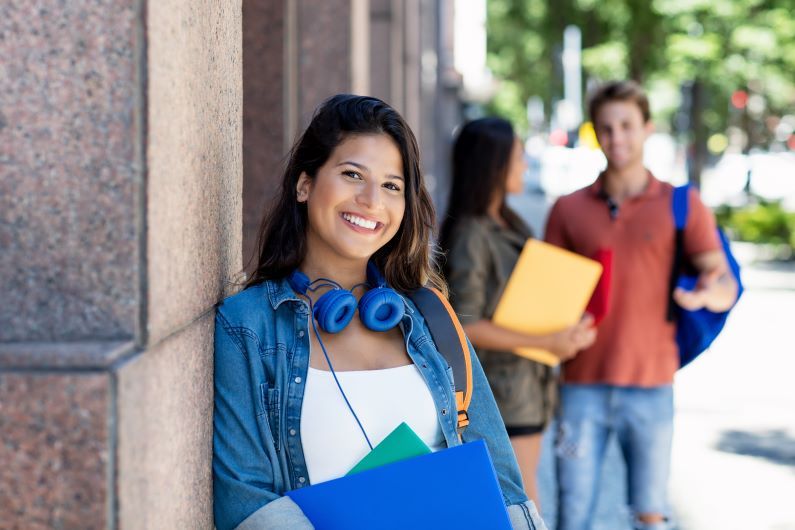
(481,160)
(407,260)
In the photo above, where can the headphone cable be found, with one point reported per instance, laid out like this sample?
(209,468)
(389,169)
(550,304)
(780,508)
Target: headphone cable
(331,367)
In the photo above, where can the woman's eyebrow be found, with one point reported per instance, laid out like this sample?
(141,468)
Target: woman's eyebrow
(352,163)
(367,169)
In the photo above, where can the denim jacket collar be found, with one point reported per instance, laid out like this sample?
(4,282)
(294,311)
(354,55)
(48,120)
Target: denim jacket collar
(279,291)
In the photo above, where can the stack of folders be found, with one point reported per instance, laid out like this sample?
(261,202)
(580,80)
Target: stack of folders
(401,484)
(547,292)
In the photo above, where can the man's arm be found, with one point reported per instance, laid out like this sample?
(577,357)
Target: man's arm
(716,288)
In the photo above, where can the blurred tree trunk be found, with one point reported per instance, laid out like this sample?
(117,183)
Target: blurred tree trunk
(644,35)
(699,133)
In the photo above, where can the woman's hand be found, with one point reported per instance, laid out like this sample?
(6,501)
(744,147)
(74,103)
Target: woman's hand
(565,344)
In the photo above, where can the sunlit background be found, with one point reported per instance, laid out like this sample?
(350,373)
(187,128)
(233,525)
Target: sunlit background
(720,75)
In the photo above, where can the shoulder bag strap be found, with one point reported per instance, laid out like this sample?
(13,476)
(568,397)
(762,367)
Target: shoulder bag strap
(448,334)
(679,206)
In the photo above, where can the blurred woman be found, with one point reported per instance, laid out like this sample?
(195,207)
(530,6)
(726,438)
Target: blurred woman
(483,238)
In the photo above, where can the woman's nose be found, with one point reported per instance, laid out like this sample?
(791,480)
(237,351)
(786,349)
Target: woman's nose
(369,195)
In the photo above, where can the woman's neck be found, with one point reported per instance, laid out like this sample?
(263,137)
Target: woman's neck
(495,212)
(347,273)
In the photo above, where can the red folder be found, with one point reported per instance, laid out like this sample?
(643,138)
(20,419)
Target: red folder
(599,304)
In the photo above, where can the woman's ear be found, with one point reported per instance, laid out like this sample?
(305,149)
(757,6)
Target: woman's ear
(303,187)
(649,126)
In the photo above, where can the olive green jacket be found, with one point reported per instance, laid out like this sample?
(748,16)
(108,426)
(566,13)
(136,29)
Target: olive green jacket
(480,259)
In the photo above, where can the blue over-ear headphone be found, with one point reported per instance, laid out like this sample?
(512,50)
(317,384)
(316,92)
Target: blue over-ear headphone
(380,308)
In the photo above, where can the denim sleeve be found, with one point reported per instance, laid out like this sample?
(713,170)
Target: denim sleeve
(524,516)
(486,424)
(281,513)
(242,472)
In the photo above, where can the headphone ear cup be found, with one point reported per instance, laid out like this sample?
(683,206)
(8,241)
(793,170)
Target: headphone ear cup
(334,310)
(381,309)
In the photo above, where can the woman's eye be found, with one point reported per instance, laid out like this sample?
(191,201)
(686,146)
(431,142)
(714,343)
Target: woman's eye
(392,186)
(352,174)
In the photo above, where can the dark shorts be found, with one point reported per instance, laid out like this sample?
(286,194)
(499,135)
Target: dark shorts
(524,430)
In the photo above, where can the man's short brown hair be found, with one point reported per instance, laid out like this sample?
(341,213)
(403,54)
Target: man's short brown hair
(619,91)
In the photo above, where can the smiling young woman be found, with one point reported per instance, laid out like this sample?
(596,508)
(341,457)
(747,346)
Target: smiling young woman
(300,397)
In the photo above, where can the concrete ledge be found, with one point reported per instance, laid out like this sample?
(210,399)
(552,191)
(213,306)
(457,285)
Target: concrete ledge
(60,356)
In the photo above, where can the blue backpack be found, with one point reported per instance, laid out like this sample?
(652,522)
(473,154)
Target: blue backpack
(695,330)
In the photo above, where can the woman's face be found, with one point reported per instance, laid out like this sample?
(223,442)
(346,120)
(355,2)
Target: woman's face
(355,203)
(514,183)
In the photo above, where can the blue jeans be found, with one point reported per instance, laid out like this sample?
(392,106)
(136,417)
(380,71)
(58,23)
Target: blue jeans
(642,420)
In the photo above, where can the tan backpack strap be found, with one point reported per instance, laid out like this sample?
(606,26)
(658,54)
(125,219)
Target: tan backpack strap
(451,341)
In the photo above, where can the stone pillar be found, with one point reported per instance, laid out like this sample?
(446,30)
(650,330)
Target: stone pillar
(265,112)
(296,54)
(120,228)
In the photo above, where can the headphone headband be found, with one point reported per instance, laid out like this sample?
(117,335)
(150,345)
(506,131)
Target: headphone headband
(380,308)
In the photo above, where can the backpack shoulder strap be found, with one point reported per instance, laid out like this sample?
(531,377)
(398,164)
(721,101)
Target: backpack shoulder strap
(680,205)
(450,339)
(679,208)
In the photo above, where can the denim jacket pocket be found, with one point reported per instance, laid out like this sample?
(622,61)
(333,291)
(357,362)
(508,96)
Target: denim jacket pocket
(270,412)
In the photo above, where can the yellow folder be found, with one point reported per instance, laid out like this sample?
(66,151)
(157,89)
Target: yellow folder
(548,291)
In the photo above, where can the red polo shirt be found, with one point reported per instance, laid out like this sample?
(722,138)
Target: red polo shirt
(636,345)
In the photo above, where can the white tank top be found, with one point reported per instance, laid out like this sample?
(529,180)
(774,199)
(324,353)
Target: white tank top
(382,399)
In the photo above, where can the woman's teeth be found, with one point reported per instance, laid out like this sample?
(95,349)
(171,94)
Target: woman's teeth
(358,221)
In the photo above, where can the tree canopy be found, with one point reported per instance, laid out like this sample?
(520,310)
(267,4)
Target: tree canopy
(721,46)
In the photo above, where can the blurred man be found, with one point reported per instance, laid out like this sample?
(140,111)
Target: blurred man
(622,384)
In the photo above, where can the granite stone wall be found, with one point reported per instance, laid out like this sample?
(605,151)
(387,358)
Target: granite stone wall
(120,228)
(70,183)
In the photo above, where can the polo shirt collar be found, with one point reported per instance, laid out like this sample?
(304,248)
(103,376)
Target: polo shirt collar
(653,187)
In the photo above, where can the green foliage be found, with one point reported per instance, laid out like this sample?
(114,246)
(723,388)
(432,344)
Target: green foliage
(725,45)
(764,222)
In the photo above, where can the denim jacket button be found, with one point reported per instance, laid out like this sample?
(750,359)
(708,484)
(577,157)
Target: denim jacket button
(298,380)
(292,432)
(301,333)
(301,480)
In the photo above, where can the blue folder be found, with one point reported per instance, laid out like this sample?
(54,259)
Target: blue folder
(452,488)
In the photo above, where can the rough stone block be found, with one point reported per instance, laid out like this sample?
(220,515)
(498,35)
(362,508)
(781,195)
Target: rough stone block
(69,182)
(54,449)
(165,433)
(193,158)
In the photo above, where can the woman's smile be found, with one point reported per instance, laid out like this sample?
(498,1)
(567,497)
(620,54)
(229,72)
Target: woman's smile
(361,224)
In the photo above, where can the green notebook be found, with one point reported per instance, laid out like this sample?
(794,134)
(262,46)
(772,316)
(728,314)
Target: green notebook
(400,444)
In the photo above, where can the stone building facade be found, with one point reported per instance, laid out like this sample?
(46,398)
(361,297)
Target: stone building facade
(140,143)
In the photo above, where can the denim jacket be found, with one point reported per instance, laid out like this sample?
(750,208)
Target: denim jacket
(261,361)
